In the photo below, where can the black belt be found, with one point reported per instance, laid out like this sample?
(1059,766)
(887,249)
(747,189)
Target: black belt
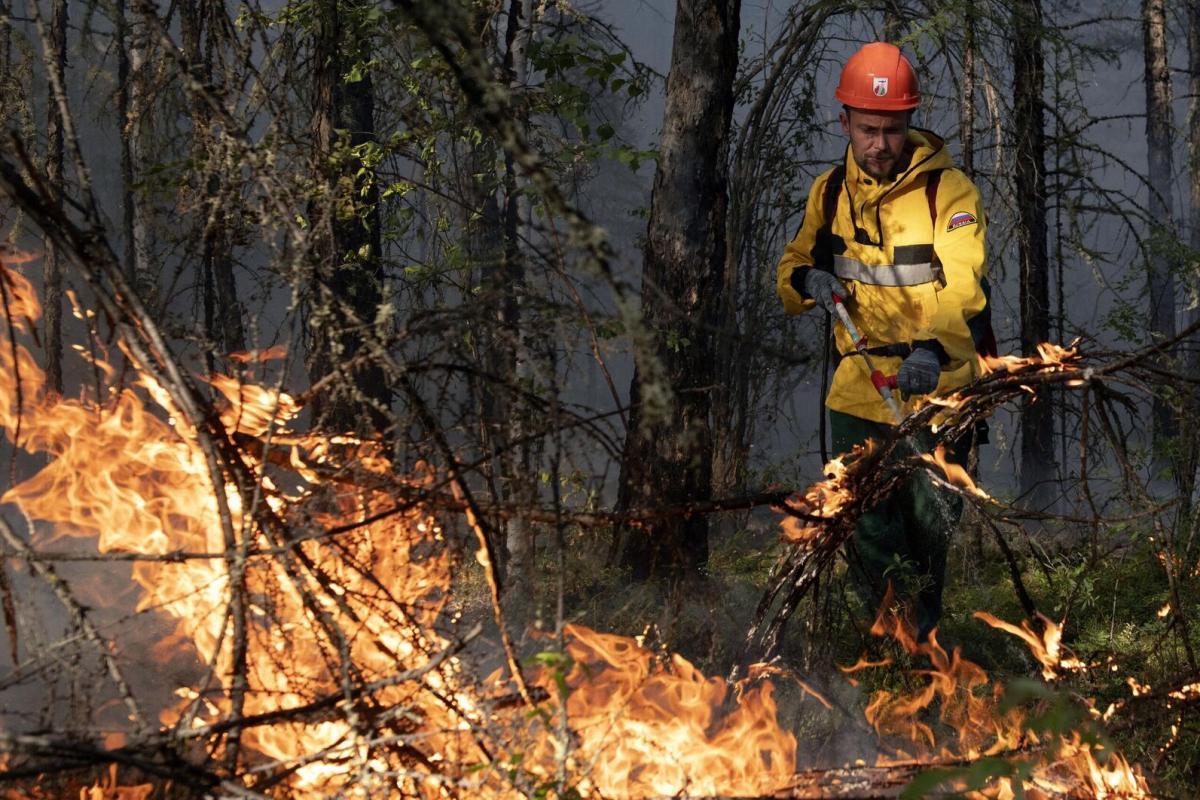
(898,350)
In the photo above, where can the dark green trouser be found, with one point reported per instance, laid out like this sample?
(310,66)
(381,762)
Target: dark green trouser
(903,539)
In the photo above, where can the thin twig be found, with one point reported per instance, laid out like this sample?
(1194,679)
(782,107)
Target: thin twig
(79,617)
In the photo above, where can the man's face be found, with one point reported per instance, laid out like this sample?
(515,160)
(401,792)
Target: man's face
(876,139)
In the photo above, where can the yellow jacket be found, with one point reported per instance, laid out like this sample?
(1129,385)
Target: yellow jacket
(913,280)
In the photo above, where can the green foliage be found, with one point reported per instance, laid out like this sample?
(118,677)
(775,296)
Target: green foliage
(980,774)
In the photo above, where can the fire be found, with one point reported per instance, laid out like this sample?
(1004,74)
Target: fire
(646,729)
(1052,356)
(1046,648)
(954,473)
(824,499)
(959,696)
(956,688)
(344,645)
(139,483)
(344,641)
(108,789)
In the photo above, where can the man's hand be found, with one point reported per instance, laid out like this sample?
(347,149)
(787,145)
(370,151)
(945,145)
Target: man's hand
(918,374)
(821,287)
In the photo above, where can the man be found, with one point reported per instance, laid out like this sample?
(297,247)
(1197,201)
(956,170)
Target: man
(897,232)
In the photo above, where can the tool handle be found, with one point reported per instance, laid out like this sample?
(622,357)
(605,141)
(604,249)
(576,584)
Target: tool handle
(884,384)
(860,342)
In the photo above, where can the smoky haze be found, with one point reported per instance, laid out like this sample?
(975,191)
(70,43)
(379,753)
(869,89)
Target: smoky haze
(502,330)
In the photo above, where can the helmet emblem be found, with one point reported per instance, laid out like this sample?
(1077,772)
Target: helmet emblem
(880,87)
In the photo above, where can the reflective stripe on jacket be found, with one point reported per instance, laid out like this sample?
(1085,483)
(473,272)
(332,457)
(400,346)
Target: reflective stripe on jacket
(911,279)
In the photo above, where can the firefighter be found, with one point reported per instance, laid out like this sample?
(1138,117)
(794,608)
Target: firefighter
(898,232)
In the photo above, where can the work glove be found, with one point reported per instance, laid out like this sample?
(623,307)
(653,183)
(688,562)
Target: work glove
(822,286)
(919,373)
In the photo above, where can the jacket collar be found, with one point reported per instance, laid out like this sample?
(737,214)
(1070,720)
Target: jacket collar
(924,151)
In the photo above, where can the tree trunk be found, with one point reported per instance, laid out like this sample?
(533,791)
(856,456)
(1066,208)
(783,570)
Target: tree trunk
(968,87)
(520,480)
(52,264)
(668,453)
(122,98)
(1194,123)
(1187,474)
(222,312)
(346,233)
(1038,463)
(1160,283)
(133,143)
(496,221)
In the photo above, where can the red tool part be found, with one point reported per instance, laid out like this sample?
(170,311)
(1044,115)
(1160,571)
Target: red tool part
(884,384)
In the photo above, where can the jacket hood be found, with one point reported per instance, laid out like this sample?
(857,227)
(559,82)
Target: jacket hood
(927,151)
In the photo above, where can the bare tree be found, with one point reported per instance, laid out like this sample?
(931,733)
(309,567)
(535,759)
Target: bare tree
(222,311)
(668,453)
(1194,121)
(347,271)
(1038,461)
(133,102)
(758,351)
(509,284)
(1160,123)
(52,274)
(1191,358)
(970,53)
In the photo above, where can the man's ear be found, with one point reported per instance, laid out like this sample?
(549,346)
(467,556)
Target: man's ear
(845,120)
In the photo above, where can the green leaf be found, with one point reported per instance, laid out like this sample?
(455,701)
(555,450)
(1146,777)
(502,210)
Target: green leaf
(926,782)
(550,658)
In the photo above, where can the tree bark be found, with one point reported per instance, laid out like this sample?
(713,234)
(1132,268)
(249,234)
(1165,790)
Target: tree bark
(1038,462)
(346,234)
(968,101)
(137,244)
(122,98)
(1194,121)
(222,311)
(668,452)
(52,264)
(496,221)
(1187,474)
(1160,122)
(520,480)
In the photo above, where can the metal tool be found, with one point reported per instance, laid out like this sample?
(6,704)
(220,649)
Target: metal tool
(884,384)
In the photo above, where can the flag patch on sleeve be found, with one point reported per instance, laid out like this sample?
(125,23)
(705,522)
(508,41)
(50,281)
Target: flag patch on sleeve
(961,219)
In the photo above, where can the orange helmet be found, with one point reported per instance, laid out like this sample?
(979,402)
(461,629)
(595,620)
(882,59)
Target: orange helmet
(879,78)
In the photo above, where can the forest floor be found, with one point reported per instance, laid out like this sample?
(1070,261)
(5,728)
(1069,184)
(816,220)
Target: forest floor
(1109,597)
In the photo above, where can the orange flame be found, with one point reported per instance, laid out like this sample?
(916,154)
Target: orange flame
(1044,647)
(258,356)
(367,598)
(10,256)
(955,474)
(646,729)
(957,695)
(1050,355)
(824,499)
(109,789)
